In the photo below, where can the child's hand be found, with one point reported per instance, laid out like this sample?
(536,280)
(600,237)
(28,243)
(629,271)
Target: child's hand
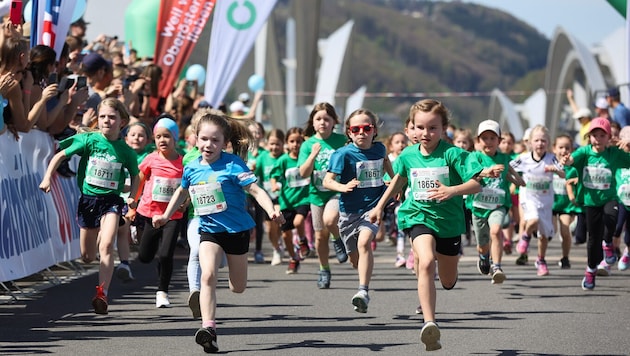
(277,217)
(495,171)
(375,215)
(131,215)
(158,221)
(350,185)
(551,168)
(566,160)
(624,145)
(572,181)
(441,193)
(315,149)
(44,186)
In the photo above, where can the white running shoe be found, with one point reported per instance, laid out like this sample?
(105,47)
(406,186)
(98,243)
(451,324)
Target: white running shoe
(277,258)
(161,300)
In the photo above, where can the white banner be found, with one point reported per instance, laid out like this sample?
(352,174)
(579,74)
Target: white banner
(235,26)
(37,230)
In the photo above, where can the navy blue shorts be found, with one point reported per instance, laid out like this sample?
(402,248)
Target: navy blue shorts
(92,208)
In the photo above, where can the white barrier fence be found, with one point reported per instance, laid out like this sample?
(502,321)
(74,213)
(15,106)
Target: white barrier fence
(37,230)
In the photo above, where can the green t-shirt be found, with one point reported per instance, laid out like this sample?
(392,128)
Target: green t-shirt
(294,190)
(561,202)
(264,163)
(102,164)
(597,172)
(447,164)
(622,178)
(189,157)
(496,191)
(318,194)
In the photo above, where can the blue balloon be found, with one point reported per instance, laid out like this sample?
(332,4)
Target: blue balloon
(256,83)
(196,72)
(79,10)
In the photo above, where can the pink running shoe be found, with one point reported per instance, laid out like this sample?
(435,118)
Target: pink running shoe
(541,266)
(522,246)
(410,260)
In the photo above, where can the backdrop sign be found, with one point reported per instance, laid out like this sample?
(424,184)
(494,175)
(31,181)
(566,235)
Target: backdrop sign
(37,230)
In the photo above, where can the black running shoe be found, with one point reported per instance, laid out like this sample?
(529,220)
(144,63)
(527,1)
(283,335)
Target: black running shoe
(207,338)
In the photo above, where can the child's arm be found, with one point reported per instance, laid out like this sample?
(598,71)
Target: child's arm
(306,169)
(177,199)
(445,192)
(395,186)
(52,167)
(387,166)
(274,184)
(557,170)
(570,189)
(515,178)
(331,183)
(492,171)
(135,192)
(265,202)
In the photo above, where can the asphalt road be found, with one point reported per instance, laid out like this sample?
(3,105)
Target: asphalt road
(282,314)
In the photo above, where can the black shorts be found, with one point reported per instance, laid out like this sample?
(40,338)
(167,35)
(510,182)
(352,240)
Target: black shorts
(448,246)
(92,208)
(290,214)
(232,243)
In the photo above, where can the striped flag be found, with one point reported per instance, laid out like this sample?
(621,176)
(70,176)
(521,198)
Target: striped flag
(50,21)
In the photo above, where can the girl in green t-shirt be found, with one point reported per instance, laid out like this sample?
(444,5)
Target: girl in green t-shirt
(432,215)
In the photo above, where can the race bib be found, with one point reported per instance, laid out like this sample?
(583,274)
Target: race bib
(164,188)
(598,178)
(294,179)
(207,198)
(423,179)
(318,180)
(538,184)
(489,198)
(370,173)
(103,174)
(559,185)
(623,192)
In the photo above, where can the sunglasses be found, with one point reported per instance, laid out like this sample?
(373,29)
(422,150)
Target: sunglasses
(356,129)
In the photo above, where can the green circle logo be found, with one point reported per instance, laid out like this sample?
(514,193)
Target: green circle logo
(241,25)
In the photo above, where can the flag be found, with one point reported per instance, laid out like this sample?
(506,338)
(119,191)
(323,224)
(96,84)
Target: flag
(50,21)
(179,26)
(234,29)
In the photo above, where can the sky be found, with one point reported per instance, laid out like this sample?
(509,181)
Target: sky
(589,20)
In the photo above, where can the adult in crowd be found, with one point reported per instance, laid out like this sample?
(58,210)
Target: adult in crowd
(621,114)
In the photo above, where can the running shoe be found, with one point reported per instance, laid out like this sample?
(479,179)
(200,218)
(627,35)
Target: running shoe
(400,261)
(305,251)
(294,265)
(541,267)
(259,257)
(99,302)
(419,309)
(497,275)
(373,245)
(410,260)
(609,253)
(564,263)
(603,269)
(340,250)
(360,301)
(193,304)
(430,336)
(324,279)
(507,246)
(624,261)
(123,272)
(523,245)
(161,300)
(483,265)
(277,258)
(588,282)
(207,338)
(522,259)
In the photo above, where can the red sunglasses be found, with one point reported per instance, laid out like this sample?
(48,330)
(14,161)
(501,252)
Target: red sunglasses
(366,128)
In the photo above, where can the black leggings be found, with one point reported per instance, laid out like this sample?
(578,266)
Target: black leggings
(161,241)
(600,224)
(623,220)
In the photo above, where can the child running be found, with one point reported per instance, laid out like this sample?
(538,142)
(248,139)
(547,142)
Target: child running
(313,162)
(292,192)
(264,163)
(536,198)
(395,145)
(359,167)
(160,175)
(598,163)
(489,207)
(216,182)
(101,180)
(432,215)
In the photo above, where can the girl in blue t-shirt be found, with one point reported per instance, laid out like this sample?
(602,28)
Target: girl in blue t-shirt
(360,167)
(216,182)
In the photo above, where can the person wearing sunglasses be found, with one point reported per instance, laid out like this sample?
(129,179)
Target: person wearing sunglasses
(356,171)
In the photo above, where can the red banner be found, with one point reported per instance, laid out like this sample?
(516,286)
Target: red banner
(180,23)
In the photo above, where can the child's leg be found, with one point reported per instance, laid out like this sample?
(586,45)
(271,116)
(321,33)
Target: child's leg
(424,252)
(331,217)
(210,255)
(321,235)
(122,240)
(565,233)
(88,243)
(165,253)
(287,237)
(193,269)
(109,227)
(595,228)
(237,272)
(366,257)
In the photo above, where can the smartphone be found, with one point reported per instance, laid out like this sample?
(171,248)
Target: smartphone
(15,14)
(52,78)
(81,82)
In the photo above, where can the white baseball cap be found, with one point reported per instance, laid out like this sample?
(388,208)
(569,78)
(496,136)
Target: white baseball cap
(583,112)
(237,106)
(489,125)
(601,103)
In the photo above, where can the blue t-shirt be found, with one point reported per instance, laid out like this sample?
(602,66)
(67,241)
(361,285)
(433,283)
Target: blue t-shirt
(217,194)
(621,114)
(351,162)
